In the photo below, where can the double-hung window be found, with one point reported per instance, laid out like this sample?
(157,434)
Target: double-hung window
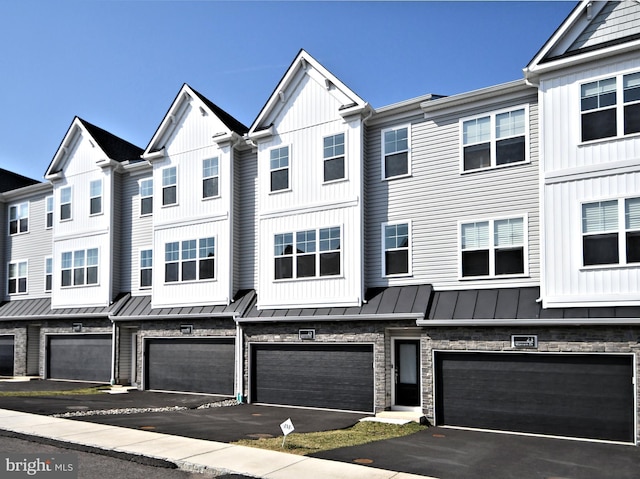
(611,232)
(210,177)
(307,254)
(396,240)
(190,260)
(333,154)
(146,196)
(49,212)
(65,203)
(17,283)
(95,197)
(48,274)
(494,247)
(610,107)
(396,145)
(497,139)
(279,165)
(169,186)
(80,267)
(19,218)
(146,268)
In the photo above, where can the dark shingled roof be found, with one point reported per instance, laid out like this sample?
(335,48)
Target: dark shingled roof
(228,120)
(115,147)
(12,181)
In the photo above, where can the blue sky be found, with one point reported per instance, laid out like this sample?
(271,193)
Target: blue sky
(119,64)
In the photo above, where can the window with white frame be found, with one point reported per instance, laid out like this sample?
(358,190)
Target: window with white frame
(65,203)
(48,274)
(610,107)
(396,145)
(95,197)
(169,186)
(396,239)
(146,196)
(146,268)
(79,267)
(190,260)
(307,254)
(19,218)
(497,139)
(210,177)
(333,154)
(279,166)
(495,247)
(17,280)
(611,232)
(48,212)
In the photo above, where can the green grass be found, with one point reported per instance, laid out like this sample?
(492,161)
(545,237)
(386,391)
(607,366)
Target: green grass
(70,392)
(309,443)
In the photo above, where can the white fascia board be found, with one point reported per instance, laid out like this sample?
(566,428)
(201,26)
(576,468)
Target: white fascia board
(70,138)
(170,120)
(528,322)
(338,318)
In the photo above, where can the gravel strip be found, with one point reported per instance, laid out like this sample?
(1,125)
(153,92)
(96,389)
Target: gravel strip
(139,410)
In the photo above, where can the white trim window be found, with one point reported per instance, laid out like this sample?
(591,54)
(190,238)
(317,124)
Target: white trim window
(146,268)
(19,218)
(315,253)
(170,186)
(80,268)
(146,196)
(396,241)
(65,203)
(210,177)
(48,274)
(611,232)
(497,139)
(17,277)
(333,165)
(610,107)
(48,201)
(396,152)
(279,169)
(95,197)
(189,260)
(494,248)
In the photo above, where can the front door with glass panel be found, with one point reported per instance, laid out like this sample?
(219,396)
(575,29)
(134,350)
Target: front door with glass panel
(407,372)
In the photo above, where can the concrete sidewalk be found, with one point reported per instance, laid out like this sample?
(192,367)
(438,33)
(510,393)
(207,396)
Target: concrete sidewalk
(189,454)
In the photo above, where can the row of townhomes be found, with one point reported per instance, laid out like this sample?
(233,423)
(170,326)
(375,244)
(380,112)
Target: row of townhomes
(473,258)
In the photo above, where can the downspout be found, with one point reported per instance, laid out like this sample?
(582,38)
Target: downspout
(113,353)
(239,362)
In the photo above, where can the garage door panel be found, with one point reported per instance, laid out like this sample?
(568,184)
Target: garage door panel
(79,357)
(203,365)
(323,376)
(6,355)
(587,396)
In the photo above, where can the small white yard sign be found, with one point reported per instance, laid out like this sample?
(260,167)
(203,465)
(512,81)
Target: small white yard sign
(287,428)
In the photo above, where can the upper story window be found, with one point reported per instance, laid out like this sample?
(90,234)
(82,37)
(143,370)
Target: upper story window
(396,241)
(65,203)
(279,166)
(493,248)
(17,280)
(80,267)
(333,154)
(49,212)
(315,253)
(189,260)
(169,186)
(146,268)
(95,197)
(610,107)
(19,218)
(497,139)
(611,232)
(210,177)
(396,145)
(48,274)
(146,196)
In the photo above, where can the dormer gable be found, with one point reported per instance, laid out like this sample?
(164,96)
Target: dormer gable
(189,99)
(593,30)
(304,68)
(112,150)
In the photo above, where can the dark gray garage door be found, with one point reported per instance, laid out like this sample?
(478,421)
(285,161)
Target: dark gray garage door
(201,365)
(6,355)
(82,357)
(586,396)
(313,375)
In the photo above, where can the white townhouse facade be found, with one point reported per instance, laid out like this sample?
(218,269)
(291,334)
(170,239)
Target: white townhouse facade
(470,258)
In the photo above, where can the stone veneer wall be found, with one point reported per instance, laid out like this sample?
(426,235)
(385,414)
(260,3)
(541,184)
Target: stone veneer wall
(19,332)
(577,339)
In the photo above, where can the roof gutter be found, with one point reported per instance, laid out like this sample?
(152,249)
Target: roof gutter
(529,322)
(115,318)
(326,317)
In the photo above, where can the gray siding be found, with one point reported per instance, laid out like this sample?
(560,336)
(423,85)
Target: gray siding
(117,274)
(246,207)
(616,20)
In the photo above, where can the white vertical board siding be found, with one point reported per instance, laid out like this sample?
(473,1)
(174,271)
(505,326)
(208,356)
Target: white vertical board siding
(33,246)
(437,196)
(246,220)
